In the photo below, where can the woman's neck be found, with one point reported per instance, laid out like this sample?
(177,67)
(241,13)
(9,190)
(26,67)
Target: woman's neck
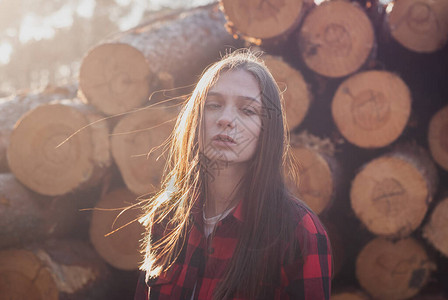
(223,190)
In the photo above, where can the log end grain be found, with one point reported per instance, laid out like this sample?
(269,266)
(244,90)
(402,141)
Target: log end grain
(115,78)
(39,159)
(436,231)
(137,147)
(120,248)
(419,25)
(336,38)
(390,196)
(372,108)
(296,94)
(393,270)
(438,137)
(315,184)
(262,19)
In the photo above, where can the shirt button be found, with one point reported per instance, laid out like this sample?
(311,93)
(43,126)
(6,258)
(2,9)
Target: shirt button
(210,250)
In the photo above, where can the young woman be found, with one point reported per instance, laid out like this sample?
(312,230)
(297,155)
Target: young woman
(224,225)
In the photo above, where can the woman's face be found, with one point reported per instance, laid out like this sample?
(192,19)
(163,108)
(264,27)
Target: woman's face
(232,118)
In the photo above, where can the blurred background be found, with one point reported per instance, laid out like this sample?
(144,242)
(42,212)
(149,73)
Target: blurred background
(43,42)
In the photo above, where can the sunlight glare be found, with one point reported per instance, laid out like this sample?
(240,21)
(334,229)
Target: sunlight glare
(5,52)
(37,28)
(85,8)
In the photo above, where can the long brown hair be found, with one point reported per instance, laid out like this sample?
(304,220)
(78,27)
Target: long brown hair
(267,203)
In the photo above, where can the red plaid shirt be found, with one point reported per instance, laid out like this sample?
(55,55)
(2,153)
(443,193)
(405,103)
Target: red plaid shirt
(307,278)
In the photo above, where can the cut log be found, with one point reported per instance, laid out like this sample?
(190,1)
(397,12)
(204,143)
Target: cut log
(80,162)
(336,38)
(63,269)
(296,94)
(137,147)
(120,248)
(121,73)
(436,231)
(263,19)
(14,107)
(438,137)
(27,217)
(419,25)
(372,108)
(350,295)
(393,270)
(318,171)
(391,193)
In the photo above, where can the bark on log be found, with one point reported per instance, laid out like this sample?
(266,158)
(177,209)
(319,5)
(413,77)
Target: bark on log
(438,137)
(263,20)
(419,25)
(121,73)
(393,270)
(336,38)
(58,269)
(391,193)
(27,217)
(133,140)
(82,161)
(318,170)
(436,231)
(14,107)
(120,249)
(372,108)
(296,93)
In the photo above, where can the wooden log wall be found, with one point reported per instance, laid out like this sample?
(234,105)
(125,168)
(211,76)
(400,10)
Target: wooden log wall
(366,100)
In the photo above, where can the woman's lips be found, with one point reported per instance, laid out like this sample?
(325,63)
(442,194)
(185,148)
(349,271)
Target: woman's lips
(223,140)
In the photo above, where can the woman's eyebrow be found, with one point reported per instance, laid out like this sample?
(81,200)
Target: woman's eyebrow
(220,95)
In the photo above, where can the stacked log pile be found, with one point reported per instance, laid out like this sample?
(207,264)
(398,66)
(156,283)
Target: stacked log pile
(366,103)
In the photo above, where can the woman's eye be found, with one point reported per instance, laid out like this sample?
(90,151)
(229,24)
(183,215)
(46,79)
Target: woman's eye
(212,105)
(249,111)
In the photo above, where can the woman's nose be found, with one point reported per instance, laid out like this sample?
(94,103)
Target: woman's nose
(227,118)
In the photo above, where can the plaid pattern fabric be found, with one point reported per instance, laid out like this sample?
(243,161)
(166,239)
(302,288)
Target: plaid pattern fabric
(204,266)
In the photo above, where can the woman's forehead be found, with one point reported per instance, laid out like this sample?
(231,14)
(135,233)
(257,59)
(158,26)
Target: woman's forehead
(236,83)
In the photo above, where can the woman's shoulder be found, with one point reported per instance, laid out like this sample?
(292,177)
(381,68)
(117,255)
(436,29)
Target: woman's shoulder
(305,218)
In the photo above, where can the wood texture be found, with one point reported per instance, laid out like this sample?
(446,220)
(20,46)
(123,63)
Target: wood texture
(27,217)
(336,38)
(419,25)
(14,107)
(391,193)
(436,231)
(119,248)
(137,147)
(63,269)
(372,108)
(81,161)
(121,73)
(393,270)
(438,137)
(295,90)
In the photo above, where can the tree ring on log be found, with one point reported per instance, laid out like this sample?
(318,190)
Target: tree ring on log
(115,78)
(120,249)
(34,158)
(263,19)
(436,231)
(389,195)
(393,270)
(133,138)
(315,186)
(336,38)
(23,276)
(297,97)
(438,137)
(372,108)
(419,25)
